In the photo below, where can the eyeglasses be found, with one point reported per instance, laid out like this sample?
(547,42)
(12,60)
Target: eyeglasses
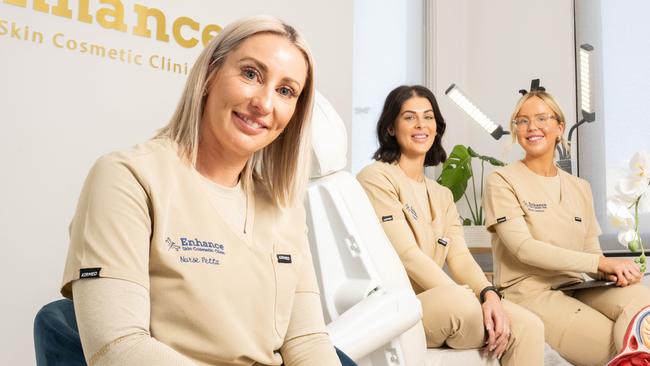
(541,120)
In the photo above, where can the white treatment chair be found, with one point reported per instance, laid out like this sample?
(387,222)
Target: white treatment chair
(372,312)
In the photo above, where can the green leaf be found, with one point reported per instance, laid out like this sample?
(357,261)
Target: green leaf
(496,162)
(456,171)
(472,153)
(467,222)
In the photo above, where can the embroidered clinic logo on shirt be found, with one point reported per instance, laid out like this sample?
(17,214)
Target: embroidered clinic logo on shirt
(411,210)
(535,207)
(196,250)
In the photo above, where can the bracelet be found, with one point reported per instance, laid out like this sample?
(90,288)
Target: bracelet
(481,296)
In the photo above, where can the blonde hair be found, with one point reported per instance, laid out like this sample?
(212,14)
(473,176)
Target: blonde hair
(283,165)
(550,102)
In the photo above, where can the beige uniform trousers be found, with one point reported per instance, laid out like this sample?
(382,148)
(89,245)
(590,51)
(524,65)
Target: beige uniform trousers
(452,315)
(588,327)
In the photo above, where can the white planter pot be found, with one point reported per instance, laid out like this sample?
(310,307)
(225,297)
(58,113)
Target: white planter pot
(477,237)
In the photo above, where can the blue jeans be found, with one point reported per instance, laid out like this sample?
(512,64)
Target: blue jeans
(57,342)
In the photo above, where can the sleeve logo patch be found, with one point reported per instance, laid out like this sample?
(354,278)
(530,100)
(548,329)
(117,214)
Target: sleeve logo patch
(443,242)
(284,258)
(89,272)
(387,218)
(501,219)
(578,219)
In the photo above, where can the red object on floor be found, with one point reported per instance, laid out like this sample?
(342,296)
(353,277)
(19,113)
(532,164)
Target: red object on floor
(636,345)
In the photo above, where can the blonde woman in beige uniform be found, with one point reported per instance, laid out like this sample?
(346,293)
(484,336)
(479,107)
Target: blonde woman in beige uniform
(420,218)
(190,249)
(546,234)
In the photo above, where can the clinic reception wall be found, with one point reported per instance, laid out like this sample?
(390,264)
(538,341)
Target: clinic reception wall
(79,79)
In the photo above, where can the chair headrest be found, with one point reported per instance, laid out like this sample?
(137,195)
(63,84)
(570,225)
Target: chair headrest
(328,138)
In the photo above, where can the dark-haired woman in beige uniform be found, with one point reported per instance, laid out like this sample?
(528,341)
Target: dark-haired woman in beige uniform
(420,219)
(546,234)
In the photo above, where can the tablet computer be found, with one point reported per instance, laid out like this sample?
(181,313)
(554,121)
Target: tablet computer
(579,285)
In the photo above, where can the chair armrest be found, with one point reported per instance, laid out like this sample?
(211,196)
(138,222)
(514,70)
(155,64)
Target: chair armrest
(375,321)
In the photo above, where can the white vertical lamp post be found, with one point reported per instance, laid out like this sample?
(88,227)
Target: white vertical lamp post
(586,109)
(584,74)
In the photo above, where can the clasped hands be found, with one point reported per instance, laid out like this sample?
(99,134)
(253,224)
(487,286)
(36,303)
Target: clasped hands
(497,325)
(621,270)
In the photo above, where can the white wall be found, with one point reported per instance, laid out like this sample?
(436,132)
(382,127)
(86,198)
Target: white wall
(491,49)
(619,33)
(60,110)
(388,52)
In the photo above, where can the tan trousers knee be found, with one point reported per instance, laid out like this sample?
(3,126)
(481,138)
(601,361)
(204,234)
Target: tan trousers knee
(619,304)
(526,346)
(588,328)
(452,315)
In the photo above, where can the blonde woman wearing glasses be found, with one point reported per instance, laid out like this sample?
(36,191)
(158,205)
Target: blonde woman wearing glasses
(545,234)
(191,248)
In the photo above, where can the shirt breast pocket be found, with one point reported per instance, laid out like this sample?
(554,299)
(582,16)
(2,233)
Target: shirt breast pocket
(286,264)
(579,226)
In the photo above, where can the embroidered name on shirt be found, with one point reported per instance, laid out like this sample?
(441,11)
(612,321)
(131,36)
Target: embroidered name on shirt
(411,210)
(578,219)
(284,258)
(199,260)
(501,219)
(89,272)
(196,251)
(535,207)
(442,241)
(201,246)
(387,218)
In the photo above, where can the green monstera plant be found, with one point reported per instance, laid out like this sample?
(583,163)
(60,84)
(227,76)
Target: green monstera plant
(455,175)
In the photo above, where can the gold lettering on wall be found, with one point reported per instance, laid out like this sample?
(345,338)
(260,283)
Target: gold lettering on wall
(142,29)
(111,18)
(178,36)
(62,9)
(210,31)
(110,15)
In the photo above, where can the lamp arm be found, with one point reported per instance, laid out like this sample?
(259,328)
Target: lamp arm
(573,128)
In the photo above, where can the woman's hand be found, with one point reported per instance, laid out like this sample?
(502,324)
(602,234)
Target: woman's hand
(496,323)
(624,271)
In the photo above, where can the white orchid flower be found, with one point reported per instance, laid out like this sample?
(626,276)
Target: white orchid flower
(633,193)
(626,236)
(620,216)
(640,165)
(631,187)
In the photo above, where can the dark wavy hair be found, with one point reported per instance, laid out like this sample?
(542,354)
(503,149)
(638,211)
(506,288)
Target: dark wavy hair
(389,150)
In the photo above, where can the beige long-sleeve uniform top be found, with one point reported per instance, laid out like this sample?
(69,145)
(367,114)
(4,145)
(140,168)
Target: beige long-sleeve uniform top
(563,234)
(423,246)
(216,295)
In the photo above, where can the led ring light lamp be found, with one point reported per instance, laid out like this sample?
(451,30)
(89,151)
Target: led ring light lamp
(457,96)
